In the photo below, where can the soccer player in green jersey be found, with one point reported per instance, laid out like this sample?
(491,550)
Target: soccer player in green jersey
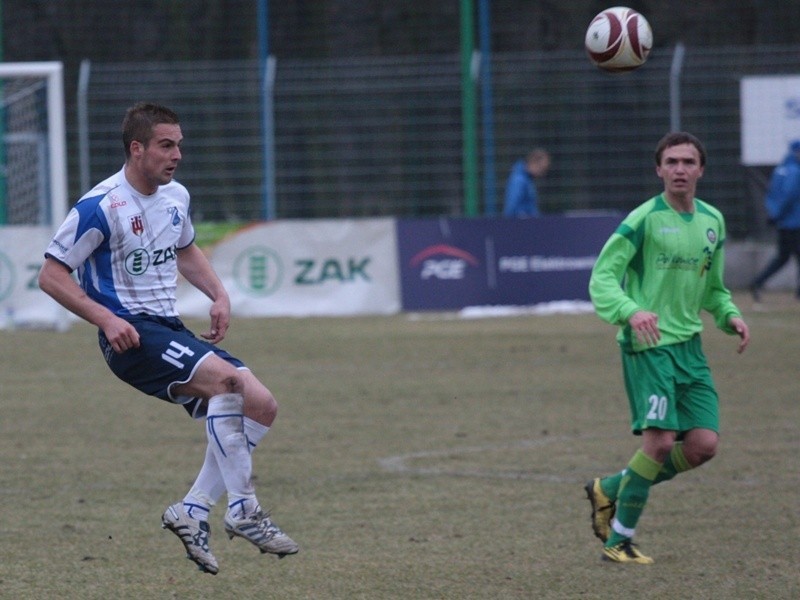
(657,271)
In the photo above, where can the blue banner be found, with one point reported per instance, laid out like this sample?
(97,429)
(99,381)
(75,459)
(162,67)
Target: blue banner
(451,263)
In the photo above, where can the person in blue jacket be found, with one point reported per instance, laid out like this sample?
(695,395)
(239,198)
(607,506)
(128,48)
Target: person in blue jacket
(522,198)
(783,210)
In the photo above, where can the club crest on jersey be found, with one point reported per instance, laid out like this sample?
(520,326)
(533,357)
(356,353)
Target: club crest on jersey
(712,236)
(175,218)
(137,224)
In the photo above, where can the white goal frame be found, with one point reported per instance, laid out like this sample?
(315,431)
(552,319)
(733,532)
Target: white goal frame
(22,303)
(53,73)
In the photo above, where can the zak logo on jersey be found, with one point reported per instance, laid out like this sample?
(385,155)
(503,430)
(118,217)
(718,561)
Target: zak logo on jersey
(137,224)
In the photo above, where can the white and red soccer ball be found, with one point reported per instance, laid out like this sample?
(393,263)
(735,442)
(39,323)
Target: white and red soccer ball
(619,39)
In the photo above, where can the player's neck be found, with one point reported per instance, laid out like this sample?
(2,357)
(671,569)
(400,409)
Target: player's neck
(139,183)
(683,203)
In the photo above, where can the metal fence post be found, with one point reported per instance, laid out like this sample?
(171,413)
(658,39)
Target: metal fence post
(487,109)
(676,68)
(268,116)
(83,123)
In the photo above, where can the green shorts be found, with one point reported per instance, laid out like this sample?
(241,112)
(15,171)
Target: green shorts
(670,387)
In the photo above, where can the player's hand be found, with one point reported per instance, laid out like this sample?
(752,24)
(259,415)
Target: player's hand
(220,314)
(645,324)
(742,330)
(121,335)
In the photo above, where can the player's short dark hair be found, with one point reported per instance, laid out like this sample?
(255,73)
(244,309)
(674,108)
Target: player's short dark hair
(676,138)
(139,121)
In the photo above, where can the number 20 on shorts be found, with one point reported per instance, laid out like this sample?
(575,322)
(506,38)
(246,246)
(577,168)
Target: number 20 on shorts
(658,408)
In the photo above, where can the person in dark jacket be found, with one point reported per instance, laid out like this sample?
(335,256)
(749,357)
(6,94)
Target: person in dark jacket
(522,198)
(783,211)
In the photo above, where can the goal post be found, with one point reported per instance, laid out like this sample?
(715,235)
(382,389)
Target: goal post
(33,126)
(33,187)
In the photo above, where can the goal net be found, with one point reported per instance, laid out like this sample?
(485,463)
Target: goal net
(33,186)
(32,152)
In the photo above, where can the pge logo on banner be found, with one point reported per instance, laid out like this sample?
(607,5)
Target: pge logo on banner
(442,261)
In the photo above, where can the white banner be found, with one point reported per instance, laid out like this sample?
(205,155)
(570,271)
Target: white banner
(770,113)
(22,303)
(301,268)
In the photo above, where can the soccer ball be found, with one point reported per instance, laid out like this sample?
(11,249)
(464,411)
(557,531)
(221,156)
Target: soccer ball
(619,39)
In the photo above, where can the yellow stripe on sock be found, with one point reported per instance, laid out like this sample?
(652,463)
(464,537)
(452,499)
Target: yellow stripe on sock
(679,459)
(644,466)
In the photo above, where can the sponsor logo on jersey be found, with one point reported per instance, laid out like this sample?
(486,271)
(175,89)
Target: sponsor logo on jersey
(676,262)
(139,260)
(60,246)
(136,262)
(116,201)
(137,224)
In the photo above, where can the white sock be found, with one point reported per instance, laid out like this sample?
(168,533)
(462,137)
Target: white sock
(209,486)
(229,445)
(254,431)
(195,509)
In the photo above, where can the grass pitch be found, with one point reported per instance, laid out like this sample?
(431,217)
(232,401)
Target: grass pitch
(413,457)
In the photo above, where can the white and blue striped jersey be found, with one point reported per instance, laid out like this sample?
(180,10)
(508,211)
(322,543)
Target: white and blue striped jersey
(123,245)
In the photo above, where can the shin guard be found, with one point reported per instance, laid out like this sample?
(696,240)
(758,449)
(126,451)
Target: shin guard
(228,442)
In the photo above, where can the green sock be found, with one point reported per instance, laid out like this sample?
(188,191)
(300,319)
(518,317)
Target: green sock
(676,463)
(632,497)
(610,485)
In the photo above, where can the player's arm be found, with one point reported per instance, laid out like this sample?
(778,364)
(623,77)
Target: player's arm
(197,270)
(719,302)
(610,301)
(55,281)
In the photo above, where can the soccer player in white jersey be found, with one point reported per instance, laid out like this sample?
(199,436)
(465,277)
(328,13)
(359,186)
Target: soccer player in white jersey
(127,239)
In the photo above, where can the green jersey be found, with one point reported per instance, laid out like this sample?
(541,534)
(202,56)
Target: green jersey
(668,263)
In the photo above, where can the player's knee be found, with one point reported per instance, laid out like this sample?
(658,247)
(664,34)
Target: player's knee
(232,383)
(700,451)
(707,452)
(658,449)
(261,406)
(270,402)
(702,457)
(269,406)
